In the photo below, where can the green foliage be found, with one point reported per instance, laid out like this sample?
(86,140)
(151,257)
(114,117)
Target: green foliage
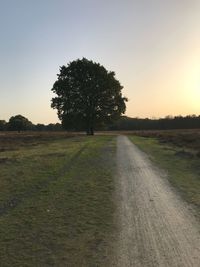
(19,123)
(87,95)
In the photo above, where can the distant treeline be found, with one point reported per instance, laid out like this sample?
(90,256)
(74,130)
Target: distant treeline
(169,122)
(20,123)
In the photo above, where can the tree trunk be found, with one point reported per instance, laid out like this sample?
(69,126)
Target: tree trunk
(90,124)
(91,131)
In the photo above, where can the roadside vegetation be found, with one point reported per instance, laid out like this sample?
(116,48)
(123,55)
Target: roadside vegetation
(177,152)
(56,201)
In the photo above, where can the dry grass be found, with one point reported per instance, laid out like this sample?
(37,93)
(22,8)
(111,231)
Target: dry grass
(188,139)
(177,153)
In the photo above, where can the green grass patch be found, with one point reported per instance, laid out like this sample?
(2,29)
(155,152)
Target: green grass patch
(62,209)
(182,166)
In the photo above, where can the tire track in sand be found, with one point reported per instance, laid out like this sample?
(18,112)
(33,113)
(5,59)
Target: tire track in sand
(156,228)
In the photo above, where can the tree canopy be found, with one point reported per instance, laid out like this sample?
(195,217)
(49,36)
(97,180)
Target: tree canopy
(87,95)
(19,123)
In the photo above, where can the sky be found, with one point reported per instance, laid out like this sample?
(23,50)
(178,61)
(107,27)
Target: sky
(153,46)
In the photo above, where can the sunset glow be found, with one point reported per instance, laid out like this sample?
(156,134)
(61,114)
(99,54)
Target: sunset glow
(153,46)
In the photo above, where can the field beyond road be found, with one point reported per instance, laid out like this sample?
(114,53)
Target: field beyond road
(56,204)
(178,153)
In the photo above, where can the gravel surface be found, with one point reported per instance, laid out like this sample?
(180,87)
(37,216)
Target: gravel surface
(156,227)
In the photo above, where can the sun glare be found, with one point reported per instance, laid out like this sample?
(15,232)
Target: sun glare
(192,88)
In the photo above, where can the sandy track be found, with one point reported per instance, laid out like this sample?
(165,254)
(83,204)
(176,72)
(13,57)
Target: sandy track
(156,227)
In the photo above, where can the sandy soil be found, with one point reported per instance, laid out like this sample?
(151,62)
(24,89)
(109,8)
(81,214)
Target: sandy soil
(156,228)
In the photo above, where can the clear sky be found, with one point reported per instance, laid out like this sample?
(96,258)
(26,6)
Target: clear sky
(152,45)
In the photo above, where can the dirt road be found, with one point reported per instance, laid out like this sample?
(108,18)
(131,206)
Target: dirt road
(156,227)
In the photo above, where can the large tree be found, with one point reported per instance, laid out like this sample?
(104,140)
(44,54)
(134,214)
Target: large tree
(87,95)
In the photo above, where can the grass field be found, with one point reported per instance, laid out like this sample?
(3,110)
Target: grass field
(56,204)
(177,152)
